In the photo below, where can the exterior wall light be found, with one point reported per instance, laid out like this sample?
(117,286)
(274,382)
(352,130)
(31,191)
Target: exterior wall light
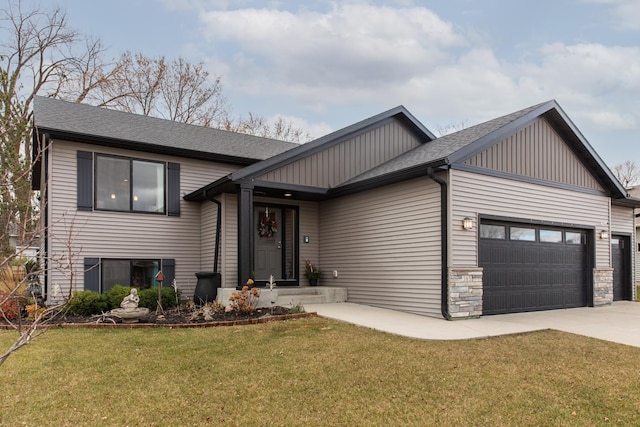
(467,223)
(604,234)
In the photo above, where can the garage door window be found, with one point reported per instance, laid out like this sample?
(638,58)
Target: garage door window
(574,238)
(490,231)
(551,236)
(522,233)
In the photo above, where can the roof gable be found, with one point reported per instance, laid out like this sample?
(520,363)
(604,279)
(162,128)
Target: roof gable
(337,163)
(538,152)
(268,174)
(399,114)
(456,148)
(85,123)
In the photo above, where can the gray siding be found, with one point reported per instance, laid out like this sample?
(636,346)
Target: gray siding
(310,226)
(208,217)
(350,158)
(102,234)
(623,222)
(385,245)
(230,241)
(537,151)
(475,194)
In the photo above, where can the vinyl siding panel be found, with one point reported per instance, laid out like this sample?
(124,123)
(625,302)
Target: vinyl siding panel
(102,234)
(230,241)
(537,151)
(385,245)
(476,194)
(347,159)
(208,218)
(310,226)
(623,222)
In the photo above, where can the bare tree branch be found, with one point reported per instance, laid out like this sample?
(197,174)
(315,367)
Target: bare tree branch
(628,173)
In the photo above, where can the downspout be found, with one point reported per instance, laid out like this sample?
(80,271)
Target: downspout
(218,227)
(444,224)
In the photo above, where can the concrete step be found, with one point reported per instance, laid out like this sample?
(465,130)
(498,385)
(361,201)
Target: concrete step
(299,299)
(291,296)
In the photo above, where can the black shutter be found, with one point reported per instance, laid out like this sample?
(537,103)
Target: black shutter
(173,189)
(169,271)
(92,274)
(85,181)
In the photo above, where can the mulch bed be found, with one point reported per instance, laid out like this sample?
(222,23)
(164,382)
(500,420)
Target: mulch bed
(174,319)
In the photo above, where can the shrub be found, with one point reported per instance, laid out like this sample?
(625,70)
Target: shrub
(34,310)
(298,308)
(149,298)
(116,294)
(245,301)
(87,303)
(10,309)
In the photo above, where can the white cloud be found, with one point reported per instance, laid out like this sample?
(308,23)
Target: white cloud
(595,80)
(356,45)
(359,54)
(625,13)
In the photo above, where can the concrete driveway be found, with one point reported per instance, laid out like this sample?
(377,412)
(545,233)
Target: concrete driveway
(619,322)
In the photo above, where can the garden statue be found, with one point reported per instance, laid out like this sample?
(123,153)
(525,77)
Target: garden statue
(131,300)
(129,311)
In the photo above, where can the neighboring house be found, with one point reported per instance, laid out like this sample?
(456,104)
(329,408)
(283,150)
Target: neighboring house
(515,214)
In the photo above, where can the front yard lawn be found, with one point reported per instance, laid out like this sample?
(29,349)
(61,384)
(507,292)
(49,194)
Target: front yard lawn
(315,371)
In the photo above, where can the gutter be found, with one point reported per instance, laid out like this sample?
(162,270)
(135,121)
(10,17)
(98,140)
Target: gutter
(218,227)
(444,223)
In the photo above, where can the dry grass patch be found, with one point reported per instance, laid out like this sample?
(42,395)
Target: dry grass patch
(315,372)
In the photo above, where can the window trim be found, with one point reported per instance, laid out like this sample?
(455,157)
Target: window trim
(131,160)
(93,270)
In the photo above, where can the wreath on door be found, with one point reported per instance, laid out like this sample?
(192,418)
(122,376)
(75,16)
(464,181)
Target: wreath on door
(267,226)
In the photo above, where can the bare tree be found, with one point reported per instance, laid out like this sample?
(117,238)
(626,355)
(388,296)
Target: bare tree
(176,90)
(258,125)
(12,300)
(34,51)
(189,96)
(628,173)
(450,128)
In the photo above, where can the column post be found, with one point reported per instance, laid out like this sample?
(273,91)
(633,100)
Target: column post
(246,232)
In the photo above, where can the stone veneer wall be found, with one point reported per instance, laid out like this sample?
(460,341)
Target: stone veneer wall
(465,292)
(602,286)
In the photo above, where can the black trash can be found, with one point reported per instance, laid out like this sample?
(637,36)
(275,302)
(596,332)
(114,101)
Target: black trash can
(206,287)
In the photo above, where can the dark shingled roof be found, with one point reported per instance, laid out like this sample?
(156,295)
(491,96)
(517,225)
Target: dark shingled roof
(439,150)
(74,119)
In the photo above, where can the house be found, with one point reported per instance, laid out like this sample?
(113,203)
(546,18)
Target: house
(515,214)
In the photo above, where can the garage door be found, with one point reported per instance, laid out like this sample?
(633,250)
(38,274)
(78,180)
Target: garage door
(531,268)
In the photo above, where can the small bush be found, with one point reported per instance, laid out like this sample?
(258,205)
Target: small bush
(245,301)
(116,294)
(34,310)
(88,303)
(298,308)
(149,298)
(10,309)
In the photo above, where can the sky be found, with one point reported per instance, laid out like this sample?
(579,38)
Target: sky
(327,64)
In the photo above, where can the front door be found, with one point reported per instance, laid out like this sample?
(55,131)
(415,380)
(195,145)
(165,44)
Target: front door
(268,243)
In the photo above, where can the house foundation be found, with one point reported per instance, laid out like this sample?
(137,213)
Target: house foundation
(602,286)
(465,292)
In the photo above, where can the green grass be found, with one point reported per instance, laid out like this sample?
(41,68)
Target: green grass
(316,372)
